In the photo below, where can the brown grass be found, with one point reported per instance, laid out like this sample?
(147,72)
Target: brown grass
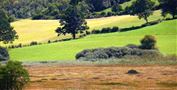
(106,77)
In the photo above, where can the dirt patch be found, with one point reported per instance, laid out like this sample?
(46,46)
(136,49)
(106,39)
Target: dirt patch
(101,77)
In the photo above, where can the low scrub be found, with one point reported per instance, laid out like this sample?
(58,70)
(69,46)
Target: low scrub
(115,52)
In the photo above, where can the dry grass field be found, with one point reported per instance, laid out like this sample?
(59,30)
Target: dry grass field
(100,77)
(43,30)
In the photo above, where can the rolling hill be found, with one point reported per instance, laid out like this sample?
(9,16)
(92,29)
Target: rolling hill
(165,32)
(44,30)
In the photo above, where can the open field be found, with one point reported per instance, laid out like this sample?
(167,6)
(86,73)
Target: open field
(110,77)
(165,33)
(44,30)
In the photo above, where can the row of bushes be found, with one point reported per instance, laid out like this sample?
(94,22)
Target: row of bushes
(106,30)
(117,29)
(33,43)
(104,14)
(143,25)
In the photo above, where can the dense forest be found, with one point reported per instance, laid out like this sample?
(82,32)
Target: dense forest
(51,9)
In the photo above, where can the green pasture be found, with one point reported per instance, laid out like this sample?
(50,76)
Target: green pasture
(165,33)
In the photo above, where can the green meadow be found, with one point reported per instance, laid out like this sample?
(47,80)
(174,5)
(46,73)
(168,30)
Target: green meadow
(165,33)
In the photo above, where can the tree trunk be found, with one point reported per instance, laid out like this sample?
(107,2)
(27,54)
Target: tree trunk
(74,35)
(173,16)
(146,20)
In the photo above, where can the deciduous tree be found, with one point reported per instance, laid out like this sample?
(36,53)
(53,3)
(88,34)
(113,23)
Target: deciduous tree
(72,20)
(142,8)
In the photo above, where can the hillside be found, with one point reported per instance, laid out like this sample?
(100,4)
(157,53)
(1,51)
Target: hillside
(166,37)
(44,30)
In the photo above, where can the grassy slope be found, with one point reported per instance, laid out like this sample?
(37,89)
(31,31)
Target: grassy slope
(44,30)
(165,33)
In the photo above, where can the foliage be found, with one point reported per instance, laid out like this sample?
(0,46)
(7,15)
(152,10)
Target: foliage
(114,52)
(4,55)
(7,34)
(116,8)
(148,42)
(13,76)
(72,21)
(142,8)
(169,6)
(51,9)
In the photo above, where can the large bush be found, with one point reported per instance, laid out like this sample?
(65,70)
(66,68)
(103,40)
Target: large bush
(148,42)
(4,55)
(13,76)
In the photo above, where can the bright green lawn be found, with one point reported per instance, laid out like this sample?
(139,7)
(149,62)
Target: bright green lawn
(165,33)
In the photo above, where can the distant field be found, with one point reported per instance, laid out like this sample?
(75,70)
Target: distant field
(165,32)
(44,30)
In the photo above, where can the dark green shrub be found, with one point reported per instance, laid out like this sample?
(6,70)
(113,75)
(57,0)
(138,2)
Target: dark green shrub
(4,55)
(88,32)
(13,76)
(38,16)
(110,14)
(49,41)
(106,30)
(96,31)
(33,43)
(148,42)
(103,14)
(115,29)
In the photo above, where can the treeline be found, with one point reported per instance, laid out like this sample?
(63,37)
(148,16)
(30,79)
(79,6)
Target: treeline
(51,9)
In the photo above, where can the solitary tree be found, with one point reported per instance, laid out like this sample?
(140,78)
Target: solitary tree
(148,42)
(142,8)
(7,33)
(72,20)
(169,7)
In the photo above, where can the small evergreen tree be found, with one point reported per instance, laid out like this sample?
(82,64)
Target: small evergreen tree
(142,8)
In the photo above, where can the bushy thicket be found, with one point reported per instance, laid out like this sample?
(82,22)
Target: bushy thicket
(4,55)
(148,42)
(13,76)
(114,52)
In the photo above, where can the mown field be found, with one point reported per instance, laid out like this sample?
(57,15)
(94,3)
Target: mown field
(165,33)
(44,30)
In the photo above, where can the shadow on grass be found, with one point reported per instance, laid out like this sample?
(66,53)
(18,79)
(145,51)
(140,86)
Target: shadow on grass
(114,83)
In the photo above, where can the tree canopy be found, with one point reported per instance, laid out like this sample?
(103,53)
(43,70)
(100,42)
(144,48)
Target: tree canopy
(72,21)
(7,34)
(169,7)
(142,8)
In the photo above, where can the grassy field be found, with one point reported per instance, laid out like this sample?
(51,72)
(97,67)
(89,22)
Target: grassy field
(44,30)
(165,33)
